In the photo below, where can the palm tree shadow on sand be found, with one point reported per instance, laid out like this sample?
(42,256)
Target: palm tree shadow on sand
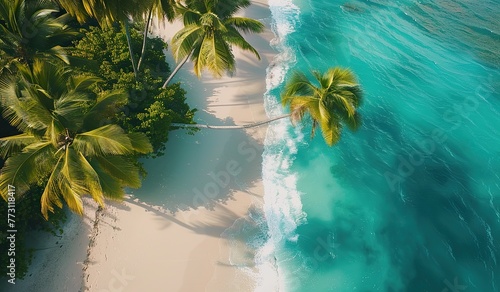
(203,170)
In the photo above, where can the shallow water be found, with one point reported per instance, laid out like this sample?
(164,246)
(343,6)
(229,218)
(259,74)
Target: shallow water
(411,202)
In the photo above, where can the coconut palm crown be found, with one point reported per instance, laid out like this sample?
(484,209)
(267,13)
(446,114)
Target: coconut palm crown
(331,101)
(210,31)
(68,143)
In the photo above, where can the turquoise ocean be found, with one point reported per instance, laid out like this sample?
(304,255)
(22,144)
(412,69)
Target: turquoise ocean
(411,202)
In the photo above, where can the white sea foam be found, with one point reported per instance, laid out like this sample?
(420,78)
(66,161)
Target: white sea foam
(282,204)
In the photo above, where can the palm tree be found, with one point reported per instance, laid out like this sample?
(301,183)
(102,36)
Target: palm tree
(67,142)
(330,102)
(28,31)
(210,30)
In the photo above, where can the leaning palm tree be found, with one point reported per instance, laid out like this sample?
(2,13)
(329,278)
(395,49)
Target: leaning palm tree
(67,142)
(331,102)
(210,31)
(28,31)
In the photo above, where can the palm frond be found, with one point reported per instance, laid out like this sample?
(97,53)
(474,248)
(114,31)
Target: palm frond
(165,8)
(105,140)
(27,167)
(331,130)
(106,106)
(122,169)
(298,84)
(69,110)
(215,55)
(83,82)
(12,110)
(354,122)
(353,92)
(323,79)
(245,24)
(49,77)
(92,179)
(72,198)
(35,115)
(299,105)
(75,8)
(189,17)
(227,8)
(234,38)
(14,144)
(111,187)
(140,142)
(341,76)
(51,192)
(54,132)
(185,40)
(343,101)
(72,182)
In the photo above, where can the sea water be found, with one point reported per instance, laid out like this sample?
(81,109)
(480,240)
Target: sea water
(410,202)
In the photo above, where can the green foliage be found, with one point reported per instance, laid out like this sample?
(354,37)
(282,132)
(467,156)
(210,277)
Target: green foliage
(150,109)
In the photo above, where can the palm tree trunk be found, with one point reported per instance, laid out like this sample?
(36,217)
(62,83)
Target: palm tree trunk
(146,29)
(176,70)
(230,127)
(129,42)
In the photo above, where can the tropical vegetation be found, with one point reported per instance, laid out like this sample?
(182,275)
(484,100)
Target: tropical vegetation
(67,138)
(149,109)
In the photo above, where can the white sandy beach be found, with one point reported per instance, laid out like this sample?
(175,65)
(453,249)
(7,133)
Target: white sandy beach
(167,235)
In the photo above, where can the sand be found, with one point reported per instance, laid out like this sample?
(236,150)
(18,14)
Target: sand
(168,235)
